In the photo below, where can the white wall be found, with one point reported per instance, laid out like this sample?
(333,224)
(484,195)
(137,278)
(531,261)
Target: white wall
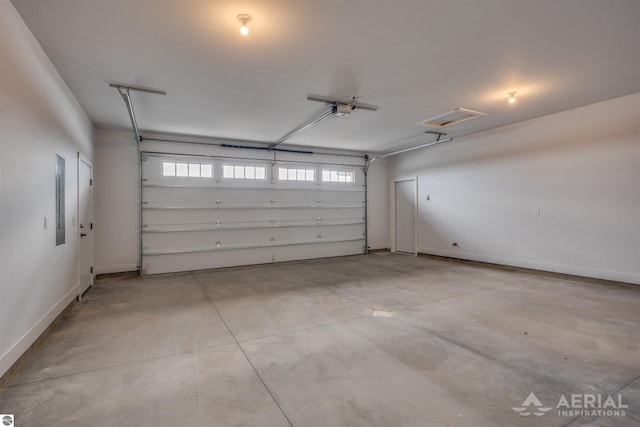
(581,168)
(39,118)
(116,202)
(378,202)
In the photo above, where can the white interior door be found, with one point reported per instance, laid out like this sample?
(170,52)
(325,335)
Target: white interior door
(406,216)
(85,220)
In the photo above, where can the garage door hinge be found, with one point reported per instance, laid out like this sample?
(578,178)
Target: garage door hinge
(91,226)
(90,182)
(91,269)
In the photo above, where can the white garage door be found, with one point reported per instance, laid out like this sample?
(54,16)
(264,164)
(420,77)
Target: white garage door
(201,212)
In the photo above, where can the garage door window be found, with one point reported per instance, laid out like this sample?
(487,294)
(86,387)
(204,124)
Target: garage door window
(338,176)
(244,172)
(296,174)
(193,170)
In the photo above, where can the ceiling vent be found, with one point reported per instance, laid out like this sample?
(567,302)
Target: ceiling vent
(452,117)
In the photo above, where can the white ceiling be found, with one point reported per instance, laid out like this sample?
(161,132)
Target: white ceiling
(414,58)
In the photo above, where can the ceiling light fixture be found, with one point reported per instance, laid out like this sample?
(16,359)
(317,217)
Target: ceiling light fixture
(512,96)
(243,18)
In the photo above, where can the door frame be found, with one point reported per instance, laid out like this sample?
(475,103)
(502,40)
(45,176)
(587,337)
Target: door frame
(393,214)
(83,159)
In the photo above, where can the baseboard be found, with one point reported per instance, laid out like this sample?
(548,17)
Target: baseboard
(379,245)
(115,268)
(123,275)
(373,251)
(11,361)
(547,269)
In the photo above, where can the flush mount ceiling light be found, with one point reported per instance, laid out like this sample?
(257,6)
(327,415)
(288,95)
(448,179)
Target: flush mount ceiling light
(512,96)
(243,18)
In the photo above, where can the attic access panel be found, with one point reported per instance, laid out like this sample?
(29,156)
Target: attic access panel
(457,115)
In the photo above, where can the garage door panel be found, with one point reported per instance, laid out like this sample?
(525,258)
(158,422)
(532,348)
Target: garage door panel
(232,238)
(318,251)
(157,264)
(221,217)
(339,231)
(220,197)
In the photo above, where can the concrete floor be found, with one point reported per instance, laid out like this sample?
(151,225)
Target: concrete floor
(297,344)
